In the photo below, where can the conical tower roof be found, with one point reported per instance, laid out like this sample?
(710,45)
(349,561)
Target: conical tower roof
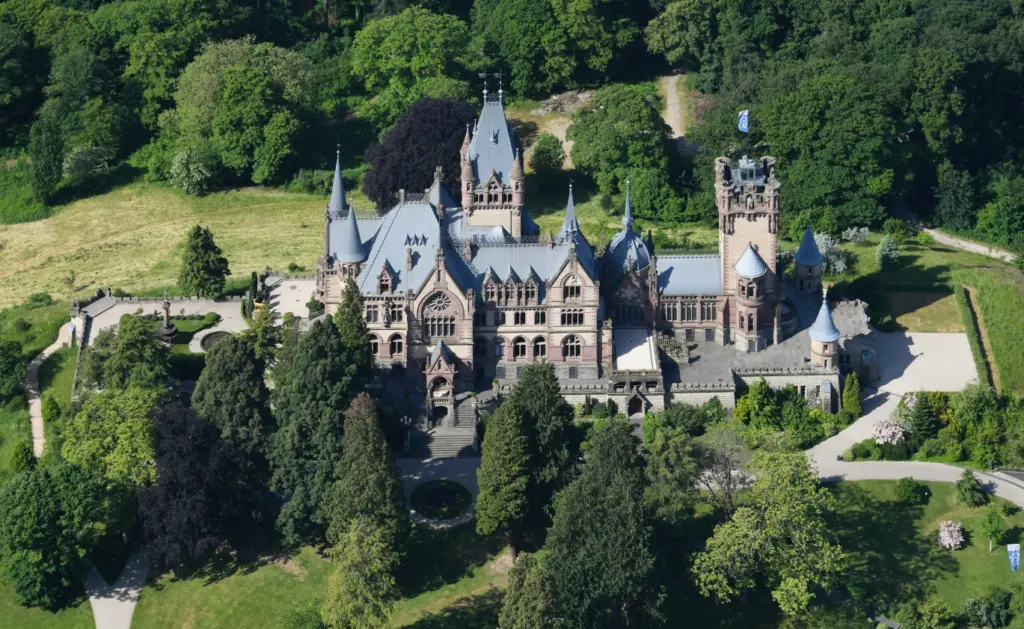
(750,265)
(570,224)
(350,247)
(337,203)
(808,253)
(824,329)
(627,216)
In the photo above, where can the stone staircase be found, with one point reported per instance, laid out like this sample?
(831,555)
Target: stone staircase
(444,442)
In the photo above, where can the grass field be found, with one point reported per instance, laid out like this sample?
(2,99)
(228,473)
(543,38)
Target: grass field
(935,271)
(14,427)
(893,555)
(925,312)
(451,574)
(16,617)
(56,375)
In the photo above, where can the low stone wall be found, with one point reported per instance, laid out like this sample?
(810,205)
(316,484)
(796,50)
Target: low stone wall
(696,397)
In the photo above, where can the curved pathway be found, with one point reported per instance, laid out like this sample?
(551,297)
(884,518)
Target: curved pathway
(969,245)
(35,404)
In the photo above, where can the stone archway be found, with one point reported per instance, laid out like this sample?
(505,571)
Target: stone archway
(635,406)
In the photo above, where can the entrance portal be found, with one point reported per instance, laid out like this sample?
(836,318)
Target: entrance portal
(636,405)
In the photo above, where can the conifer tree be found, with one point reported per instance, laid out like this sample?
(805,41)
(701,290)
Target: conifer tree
(529,601)
(851,396)
(503,476)
(351,322)
(137,358)
(46,148)
(203,269)
(368,483)
(361,592)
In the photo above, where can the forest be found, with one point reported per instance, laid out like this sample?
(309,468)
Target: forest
(872,107)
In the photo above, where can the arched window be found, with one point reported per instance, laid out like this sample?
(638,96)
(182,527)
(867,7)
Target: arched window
(572,347)
(395,344)
(479,347)
(499,347)
(374,345)
(519,347)
(571,289)
(540,348)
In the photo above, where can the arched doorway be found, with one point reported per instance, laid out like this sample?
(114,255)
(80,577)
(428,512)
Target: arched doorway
(635,406)
(438,414)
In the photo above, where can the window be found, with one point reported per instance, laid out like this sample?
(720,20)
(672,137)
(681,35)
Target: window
(499,317)
(572,347)
(572,317)
(395,312)
(479,318)
(396,345)
(372,314)
(499,348)
(519,317)
(751,345)
(519,348)
(629,312)
(531,292)
(827,349)
(439,326)
(490,293)
(688,310)
(571,289)
(708,311)
(479,347)
(689,334)
(574,373)
(374,345)
(540,317)
(540,348)
(750,322)
(384,283)
(509,291)
(499,372)
(669,312)
(709,334)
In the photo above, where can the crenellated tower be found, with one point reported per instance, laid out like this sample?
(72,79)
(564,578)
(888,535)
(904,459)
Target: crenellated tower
(747,196)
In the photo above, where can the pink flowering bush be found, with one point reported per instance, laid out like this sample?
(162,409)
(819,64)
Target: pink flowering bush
(951,535)
(909,400)
(888,432)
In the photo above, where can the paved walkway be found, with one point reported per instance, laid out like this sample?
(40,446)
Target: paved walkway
(35,403)
(114,605)
(969,245)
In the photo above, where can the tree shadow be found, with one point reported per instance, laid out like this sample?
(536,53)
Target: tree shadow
(438,557)
(528,132)
(471,612)
(120,175)
(887,560)
(550,193)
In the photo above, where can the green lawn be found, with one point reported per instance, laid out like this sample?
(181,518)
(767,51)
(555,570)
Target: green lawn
(935,270)
(892,551)
(35,327)
(57,373)
(18,617)
(451,575)
(14,427)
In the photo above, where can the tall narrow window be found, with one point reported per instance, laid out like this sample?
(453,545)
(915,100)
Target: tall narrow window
(519,348)
(571,289)
(572,347)
(540,348)
(372,314)
(396,345)
(540,317)
(499,347)
(531,292)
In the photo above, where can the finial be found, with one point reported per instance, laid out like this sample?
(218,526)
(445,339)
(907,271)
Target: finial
(338,151)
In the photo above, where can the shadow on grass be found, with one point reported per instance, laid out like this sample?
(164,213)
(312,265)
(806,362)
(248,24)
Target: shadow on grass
(887,561)
(437,558)
(477,612)
(50,367)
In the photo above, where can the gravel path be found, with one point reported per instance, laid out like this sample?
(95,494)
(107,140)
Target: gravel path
(968,245)
(35,404)
(673,113)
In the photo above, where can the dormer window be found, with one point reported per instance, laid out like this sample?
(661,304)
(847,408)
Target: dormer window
(531,292)
(490,293)
(384,283)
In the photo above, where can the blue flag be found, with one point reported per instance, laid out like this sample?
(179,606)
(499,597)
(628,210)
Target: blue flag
(744,124)
(1014,551)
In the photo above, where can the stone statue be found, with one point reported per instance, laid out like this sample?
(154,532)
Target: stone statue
(750,202)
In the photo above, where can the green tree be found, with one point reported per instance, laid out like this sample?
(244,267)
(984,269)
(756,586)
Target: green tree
(779,535)
(671,471)
(12,369)
(279,137)
(954,198)
(503,476)
(20,85)
(529,600)
(924,421)
(887,254)
(851,396)
(138,358)
(600,557)
(48,522)
(368,485)
(548,155)
(46,150)
(723,454)
(113,434)
(231,394)
(683,32)
(95,356)
(309,405)
(264,333)
(243,110)
(351,323)
(203,269)
(404,57)
(22,458)
(993,526)
(361,591)
(597,29)
(969,490)
(760,407)
(531,44)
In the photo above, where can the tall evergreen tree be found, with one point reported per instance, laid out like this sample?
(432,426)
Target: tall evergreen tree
(138,358)
(203,269)
(368,483)
(601,561)
(309,406)
(361,592)
(503,476)
(46,149)
(351,322)
(529,600)
(12,369)
(851,396)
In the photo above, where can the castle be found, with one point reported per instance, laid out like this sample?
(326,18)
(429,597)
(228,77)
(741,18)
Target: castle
(461,295)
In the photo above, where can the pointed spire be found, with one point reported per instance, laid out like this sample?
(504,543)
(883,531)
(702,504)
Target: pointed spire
(570,224)
(350,249)
(627,217)
(517,166)
(824,328)
(808,253)
(465,142)
(337,203)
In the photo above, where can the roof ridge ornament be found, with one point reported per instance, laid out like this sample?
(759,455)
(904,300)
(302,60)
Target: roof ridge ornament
(627,216)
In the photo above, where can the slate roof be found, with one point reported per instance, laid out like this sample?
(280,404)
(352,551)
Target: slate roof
(337,203)
(690,275)
(441,350)
(349,244)
(750,264)
(627,248)
(824,329)
(570,224)
(493,146)
(410,222)
(808,254)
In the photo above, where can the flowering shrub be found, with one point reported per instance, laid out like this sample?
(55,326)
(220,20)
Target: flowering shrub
(835,262)
(909,401)
(888,432)
(951,535)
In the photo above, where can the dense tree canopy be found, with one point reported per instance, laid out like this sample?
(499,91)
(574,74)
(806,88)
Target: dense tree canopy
(136,357)
(503,476)
(203,268)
